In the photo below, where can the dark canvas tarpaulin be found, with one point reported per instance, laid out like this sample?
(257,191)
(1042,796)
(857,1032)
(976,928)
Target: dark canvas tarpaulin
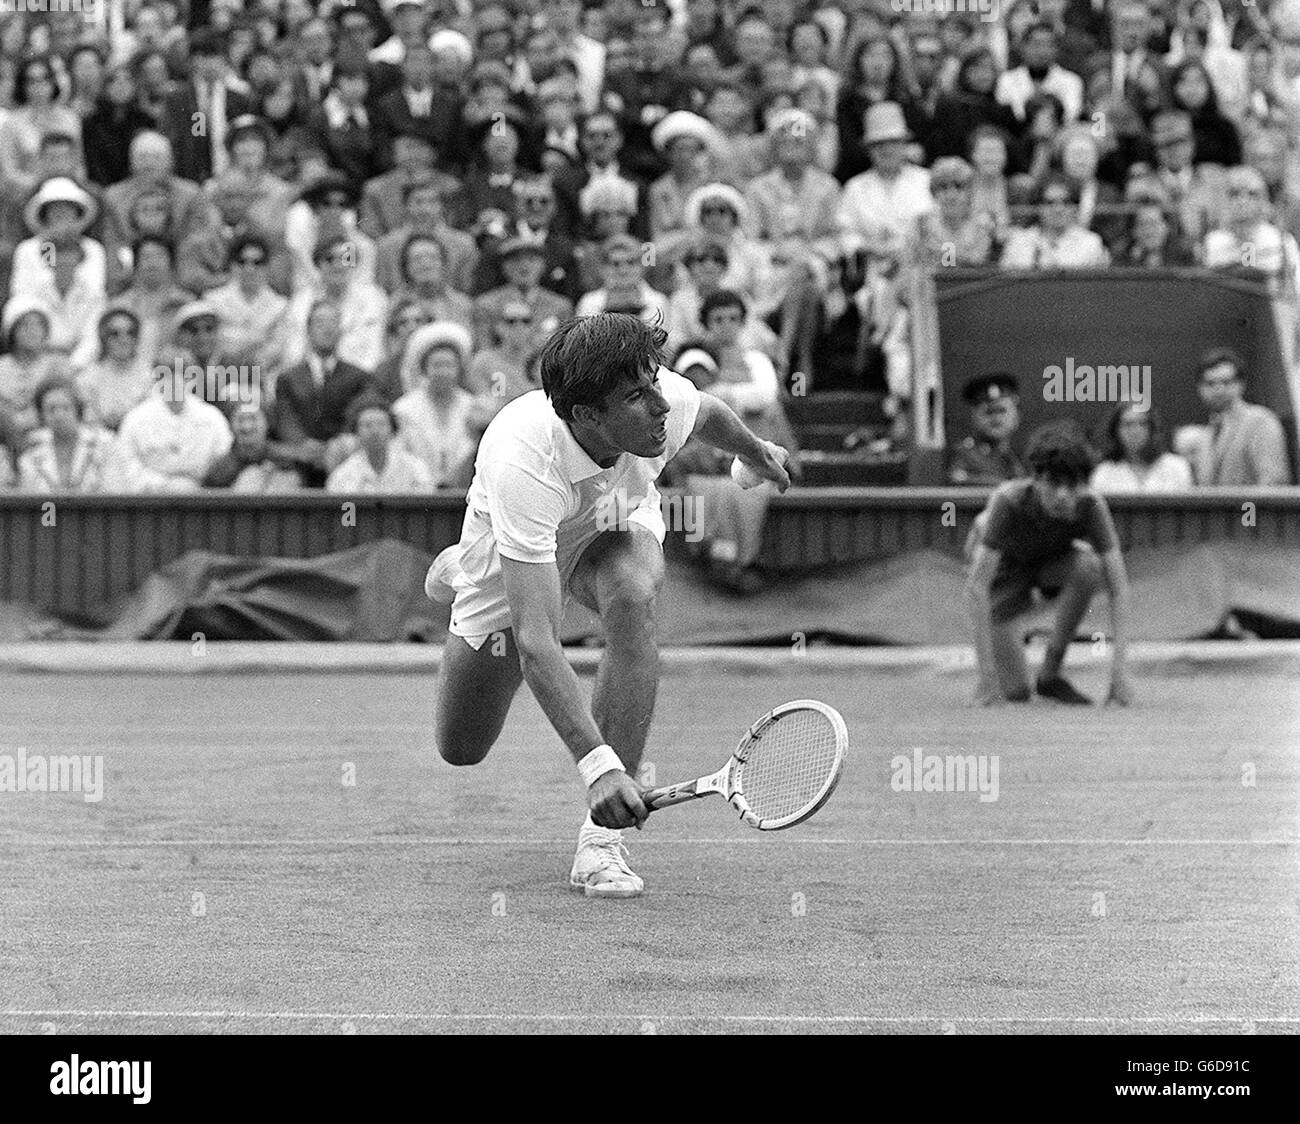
(375,592)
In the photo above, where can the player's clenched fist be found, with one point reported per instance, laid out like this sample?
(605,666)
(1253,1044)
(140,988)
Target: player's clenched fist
(614,801)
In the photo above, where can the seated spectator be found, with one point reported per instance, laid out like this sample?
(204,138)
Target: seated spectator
(170,440)
(1249,239)
(747,379)
(254,317)
(153,294)
(501,372)
(423,104)
(152,170)
(344,127)
(1269,152)
(59,155)
(719,213)
(423,267)
(1196,191)
(1211,46)
(536,218)
(989,154)
(385,204)
(363,308)
(1153,242)
(326,212)
(1100,204)
(706,265)
(954,234)
(879,208)
(1137,456)
(26,363)
(37,109)
(624,288)
(254,464)
(423,214)
(380,465)
(873,76)
(313,397)
(970,104)
(67,454)
(608,206)
(121,377)
(1215,138)
(523,260)
(1037,145)
(986,455)
(795,199)
(249,142)
(1058,241)
(433,416)
(405,315)
(485,204)
(62,268)
(1040,73)
(1244,444)
(227,374)
(690,145)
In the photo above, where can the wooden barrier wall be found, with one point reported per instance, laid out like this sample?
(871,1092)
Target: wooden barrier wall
(73,553)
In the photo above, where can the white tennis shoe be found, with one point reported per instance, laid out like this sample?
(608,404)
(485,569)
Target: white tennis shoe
(600,867)
(438,581)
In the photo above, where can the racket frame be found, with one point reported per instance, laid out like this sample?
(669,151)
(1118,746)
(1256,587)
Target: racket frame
(726,781)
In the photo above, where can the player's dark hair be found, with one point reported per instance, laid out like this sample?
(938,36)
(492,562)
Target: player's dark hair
(588,357)
(1157,435)
(1060,452)
(1218,355)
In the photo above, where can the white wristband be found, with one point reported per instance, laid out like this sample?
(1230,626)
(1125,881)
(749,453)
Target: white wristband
(597,763)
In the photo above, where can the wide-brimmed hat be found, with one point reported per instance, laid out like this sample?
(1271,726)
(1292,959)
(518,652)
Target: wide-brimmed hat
(16,308)
(682,124)
(884,121)
(441,333)
(796,122)
(608,193)
(449,39)
(59,189)
(714,191)
(195,310)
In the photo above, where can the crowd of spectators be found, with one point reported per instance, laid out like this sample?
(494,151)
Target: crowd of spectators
(357,219)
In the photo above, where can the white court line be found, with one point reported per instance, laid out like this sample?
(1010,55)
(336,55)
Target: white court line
(444,1016)
(460,841)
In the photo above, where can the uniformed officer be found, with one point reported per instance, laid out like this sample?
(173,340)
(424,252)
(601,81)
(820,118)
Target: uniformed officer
(986,457)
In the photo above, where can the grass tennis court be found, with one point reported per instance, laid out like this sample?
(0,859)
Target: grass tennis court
(1125,880)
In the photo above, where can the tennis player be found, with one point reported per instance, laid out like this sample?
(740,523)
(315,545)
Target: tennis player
(1052,535)
(563,505)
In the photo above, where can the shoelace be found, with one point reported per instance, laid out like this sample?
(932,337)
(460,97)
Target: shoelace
(614,849)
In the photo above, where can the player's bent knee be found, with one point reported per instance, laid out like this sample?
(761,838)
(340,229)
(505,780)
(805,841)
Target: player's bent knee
(463,751)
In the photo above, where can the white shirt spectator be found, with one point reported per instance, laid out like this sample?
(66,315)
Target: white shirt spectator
(755,396)
(1268,249)
(257,327)
(1016,87)
(402,473)
(880,213)
(171,451)
(1168,473)
(74,316)
(363,312)
(1075,249)
(97,465)
(440,440)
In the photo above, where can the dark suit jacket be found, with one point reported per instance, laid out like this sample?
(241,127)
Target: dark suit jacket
(442,127)
(193,155)
(355,151)
(302,411)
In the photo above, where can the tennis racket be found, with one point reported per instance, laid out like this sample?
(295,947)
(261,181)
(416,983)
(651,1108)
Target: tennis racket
(784,769)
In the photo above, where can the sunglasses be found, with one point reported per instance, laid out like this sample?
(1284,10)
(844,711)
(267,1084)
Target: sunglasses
(120,332)
(516,320)
(1057,201)
(716,209)
(701,259)
(622,261)
(251,261)
(1244,193)
(951,185)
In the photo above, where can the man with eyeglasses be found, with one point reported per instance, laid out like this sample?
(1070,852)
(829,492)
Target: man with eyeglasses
(625,288)
(1249,239)
(523,260)
(1244,445)
(254,317)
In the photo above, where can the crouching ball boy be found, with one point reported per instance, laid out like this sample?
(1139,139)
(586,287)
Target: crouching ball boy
(563,505)
(1050,534)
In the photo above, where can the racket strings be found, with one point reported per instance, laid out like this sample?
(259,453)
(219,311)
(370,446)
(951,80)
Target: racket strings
(787,768)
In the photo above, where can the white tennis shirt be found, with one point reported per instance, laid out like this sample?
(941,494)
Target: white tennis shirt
(538,497)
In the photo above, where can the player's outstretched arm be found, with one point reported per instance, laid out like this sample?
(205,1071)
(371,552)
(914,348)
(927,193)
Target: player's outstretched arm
(979,604)
(536,608)
(716,424)
(1112,562)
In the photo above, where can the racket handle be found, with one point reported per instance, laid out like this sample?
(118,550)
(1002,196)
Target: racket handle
(668,795)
